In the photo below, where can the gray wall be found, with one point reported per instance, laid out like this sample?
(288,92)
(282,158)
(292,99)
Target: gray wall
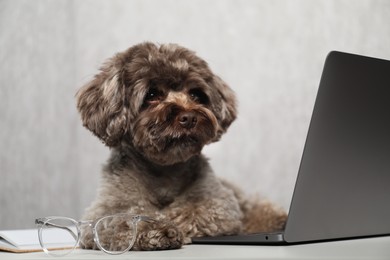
(270,52)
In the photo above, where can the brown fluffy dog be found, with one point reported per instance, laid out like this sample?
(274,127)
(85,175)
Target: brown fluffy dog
(156,107)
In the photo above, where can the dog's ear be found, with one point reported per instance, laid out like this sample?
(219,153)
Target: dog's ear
(227,105)
(101,103)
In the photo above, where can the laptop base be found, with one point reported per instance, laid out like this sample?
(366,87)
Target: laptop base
(247,239)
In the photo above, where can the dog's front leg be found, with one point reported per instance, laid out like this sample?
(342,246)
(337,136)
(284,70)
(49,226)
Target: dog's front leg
(207,219)
(156,235)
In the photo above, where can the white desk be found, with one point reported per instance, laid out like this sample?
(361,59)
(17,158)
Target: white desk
(370,249)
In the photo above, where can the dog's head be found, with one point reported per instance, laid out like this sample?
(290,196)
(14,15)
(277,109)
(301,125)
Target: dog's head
(163,100)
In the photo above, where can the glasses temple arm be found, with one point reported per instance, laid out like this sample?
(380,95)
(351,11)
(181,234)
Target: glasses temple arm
(42,222)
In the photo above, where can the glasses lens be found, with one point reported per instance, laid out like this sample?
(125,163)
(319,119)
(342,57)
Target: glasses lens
(115,234)
(59,236)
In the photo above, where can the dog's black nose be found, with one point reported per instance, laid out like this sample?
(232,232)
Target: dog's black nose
(188,120)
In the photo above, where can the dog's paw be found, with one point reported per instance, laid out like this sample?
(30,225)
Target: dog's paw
(86,240)
(159,236)
(117,236)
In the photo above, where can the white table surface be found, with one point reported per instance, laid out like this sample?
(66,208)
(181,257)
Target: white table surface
(369,248)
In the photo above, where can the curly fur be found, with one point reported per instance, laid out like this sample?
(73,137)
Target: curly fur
(156,106)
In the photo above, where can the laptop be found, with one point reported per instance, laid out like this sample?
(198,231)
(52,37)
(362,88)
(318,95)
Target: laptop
(343,186)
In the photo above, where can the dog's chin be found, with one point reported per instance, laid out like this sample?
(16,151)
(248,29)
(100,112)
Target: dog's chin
(171,151)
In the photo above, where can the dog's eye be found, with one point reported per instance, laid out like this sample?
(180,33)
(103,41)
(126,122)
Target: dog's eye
(199,96)
(153,95)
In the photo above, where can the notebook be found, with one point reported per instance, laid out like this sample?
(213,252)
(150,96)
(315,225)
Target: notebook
(26,240)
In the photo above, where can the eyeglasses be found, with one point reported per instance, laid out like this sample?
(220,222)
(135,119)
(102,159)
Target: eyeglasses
(59,236)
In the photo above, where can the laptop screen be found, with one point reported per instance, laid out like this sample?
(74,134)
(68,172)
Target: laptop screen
(343,184)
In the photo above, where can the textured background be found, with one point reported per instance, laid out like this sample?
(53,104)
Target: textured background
(270,52)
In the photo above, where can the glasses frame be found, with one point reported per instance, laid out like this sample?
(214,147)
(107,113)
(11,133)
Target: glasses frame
(45,221)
